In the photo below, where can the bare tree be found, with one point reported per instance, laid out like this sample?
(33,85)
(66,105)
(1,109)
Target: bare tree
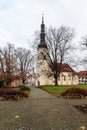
(84,42)
(84,50)
(58,43)
(7,63)
(24,62)
(15,63)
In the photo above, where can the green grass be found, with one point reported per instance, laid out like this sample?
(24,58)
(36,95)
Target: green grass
(57,90)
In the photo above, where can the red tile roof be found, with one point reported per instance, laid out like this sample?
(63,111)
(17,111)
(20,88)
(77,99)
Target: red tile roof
(66,68)
(82,74)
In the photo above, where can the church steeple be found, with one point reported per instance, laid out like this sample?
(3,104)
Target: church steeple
(42,18)
(42,43)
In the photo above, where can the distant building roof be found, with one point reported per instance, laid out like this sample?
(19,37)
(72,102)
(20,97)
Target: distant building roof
(82,74)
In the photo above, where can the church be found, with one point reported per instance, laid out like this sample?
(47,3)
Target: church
(44,75)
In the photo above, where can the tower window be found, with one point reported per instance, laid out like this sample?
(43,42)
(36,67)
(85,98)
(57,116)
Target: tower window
(44,57)
(38,57)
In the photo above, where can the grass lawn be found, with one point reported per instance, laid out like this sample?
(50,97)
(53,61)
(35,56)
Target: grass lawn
(57,90)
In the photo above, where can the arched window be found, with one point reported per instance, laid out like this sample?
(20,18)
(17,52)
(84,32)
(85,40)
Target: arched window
(38,57)
(64,77)
(41,53)
(44,57)
(69,77)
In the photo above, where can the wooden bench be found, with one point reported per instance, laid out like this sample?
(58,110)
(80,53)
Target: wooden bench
(10,95)
(74,96)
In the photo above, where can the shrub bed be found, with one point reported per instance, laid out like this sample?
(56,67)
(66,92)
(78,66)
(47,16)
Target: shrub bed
(74,93)
(1,83)
(20,93)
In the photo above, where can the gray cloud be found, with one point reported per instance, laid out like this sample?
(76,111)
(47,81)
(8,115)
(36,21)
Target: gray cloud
(19,19)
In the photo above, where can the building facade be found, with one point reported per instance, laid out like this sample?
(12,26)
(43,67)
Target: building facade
(82,77)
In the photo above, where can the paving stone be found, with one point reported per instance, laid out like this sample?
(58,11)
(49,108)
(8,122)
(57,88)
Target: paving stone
(42,113)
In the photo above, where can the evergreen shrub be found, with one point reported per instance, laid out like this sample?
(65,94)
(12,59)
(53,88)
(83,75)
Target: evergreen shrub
(1,83)
(23,87)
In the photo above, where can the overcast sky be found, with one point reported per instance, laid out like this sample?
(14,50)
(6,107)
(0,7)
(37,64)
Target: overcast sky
(19,19)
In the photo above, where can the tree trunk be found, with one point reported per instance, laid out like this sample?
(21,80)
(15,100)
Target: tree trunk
(23,81)
(56,79)
(56,83)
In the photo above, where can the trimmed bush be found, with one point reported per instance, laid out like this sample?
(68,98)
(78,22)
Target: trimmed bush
(74,91)
(23,87)
(11,91)
(1,83)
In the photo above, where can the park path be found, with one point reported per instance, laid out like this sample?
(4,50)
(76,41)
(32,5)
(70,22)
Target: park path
(37,93)
(41,111)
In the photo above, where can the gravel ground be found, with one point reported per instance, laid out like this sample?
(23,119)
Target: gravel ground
(42,113)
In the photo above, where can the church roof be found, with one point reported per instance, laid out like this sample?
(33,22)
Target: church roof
(65,68)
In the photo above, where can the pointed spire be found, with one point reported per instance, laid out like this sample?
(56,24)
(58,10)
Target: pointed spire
(42,18)
(42,24)
(42,43)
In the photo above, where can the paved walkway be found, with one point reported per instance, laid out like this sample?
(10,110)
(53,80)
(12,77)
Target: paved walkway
(42,112)
(37,93)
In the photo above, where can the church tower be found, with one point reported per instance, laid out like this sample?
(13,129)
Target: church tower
(42,66)
(44,74)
